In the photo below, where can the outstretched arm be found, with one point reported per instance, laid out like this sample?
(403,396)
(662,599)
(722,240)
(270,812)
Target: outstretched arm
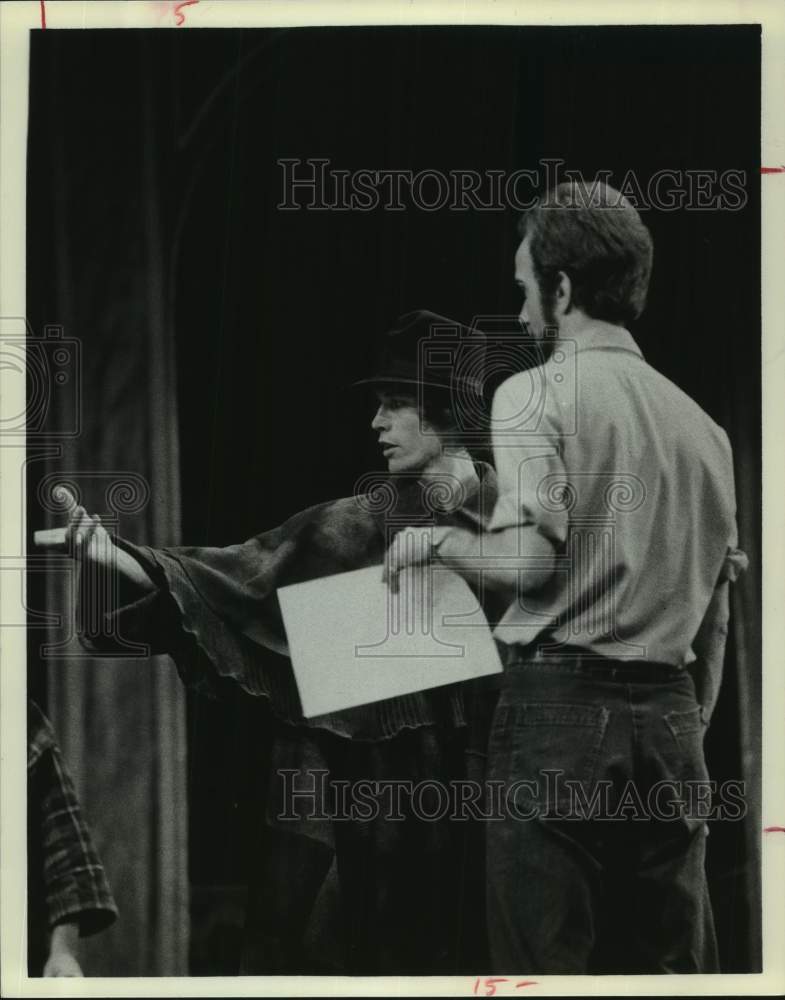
(511,560)
(90,543)
(118,602)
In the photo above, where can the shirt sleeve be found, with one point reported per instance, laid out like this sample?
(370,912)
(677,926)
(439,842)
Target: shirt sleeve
(533,487)
(75,886)
(734,564)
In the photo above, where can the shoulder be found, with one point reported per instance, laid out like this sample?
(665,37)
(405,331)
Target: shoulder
(683,414)
(514,397)
(345,516)
(534,401)
(519,387)
(342,529)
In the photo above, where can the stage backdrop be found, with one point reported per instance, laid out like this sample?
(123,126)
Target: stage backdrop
(97,248)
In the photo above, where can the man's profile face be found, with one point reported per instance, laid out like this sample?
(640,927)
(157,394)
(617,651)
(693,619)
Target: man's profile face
(532,313)
(409,443)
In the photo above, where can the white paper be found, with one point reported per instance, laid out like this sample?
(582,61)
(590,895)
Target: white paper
(352,641)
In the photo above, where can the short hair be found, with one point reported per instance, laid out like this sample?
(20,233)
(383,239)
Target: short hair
(437,409)
(456,427)
(434,404)
(593,234)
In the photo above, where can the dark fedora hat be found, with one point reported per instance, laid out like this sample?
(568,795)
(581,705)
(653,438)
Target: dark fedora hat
(431,351)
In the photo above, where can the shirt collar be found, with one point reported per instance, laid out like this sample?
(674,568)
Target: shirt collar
(598,335)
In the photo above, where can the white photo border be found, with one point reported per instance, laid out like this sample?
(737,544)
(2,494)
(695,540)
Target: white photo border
(17,20)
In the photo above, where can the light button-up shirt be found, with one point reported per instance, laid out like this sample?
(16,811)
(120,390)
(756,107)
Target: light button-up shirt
(632,482)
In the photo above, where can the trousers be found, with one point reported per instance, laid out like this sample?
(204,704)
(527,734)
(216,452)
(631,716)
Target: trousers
(596,862)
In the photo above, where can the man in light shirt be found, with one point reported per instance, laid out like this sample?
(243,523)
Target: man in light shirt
(614,539)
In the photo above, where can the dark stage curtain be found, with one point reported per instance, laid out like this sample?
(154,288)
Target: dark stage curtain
(736,884)
(97,268)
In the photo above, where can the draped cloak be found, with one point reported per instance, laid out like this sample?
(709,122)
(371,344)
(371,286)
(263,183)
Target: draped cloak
(215,611)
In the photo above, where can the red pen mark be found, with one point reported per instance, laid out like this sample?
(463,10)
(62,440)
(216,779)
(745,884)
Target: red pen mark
(772,170)
(774,829)
(489,985)
(178,12)
(43,14)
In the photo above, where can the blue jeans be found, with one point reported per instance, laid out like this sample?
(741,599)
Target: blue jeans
(613,883)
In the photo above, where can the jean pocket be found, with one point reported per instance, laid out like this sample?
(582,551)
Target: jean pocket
(543,750)
(686,757)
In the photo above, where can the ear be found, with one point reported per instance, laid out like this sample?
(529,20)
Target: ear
(563,298)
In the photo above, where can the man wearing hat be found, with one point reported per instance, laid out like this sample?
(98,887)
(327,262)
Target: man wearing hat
(375,897)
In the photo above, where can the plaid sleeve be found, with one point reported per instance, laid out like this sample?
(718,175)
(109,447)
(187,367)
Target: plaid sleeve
(74,881)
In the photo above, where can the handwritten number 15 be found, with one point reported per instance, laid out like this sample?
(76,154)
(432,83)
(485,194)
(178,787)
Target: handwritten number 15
(489,985)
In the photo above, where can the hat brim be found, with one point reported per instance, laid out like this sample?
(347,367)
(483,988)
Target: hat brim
(381,380)
(400,380)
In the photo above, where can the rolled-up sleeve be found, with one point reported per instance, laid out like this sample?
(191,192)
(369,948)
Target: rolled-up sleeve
(734,564)
(531,476)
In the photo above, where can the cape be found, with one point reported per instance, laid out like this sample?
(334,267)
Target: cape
(216,611)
